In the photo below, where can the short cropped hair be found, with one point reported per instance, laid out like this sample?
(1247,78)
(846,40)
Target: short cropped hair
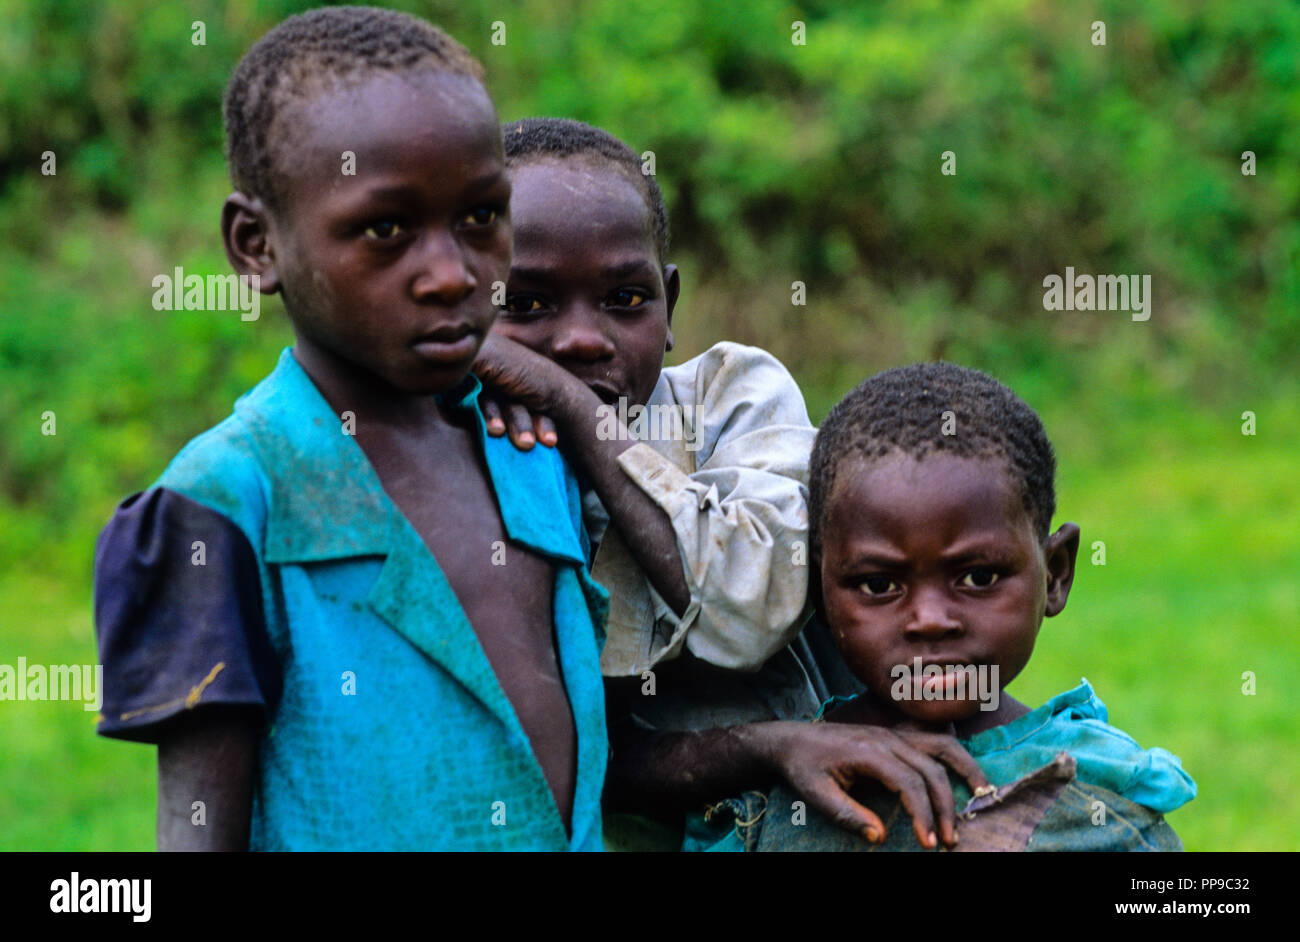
(300,57)
(561,138)
(902,410)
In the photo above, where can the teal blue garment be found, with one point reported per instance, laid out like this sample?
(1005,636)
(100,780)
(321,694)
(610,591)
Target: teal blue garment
(428,753)
(1074,722)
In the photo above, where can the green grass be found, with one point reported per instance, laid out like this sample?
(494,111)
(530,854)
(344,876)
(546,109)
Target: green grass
(61,786)
(1202,535)
(1199,586)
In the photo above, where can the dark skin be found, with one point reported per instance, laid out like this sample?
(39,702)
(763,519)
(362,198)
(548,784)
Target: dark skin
(823,762)
(587,320)
(212,759)
(387,279)
(936,559)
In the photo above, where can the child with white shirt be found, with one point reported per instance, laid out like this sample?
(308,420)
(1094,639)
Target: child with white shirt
(700,527)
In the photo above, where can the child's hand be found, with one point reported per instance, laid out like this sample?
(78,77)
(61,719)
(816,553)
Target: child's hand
(822,761)
(524,427)
(521,387)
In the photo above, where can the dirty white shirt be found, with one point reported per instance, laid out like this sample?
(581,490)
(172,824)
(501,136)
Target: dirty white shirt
(723,448)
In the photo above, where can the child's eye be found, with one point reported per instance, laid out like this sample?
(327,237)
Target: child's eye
(523,304)
(877,584)
(980,578)
(628,297)
(383,230)
(481,216)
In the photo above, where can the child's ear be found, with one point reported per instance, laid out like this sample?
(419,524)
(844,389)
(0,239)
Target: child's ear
(244,230)
(672,288)
(1061,551)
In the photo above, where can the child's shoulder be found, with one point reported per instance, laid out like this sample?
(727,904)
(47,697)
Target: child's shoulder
(1078,722)
(282,445)
(228,468)
(178,591)
(743,409)
(220,469)
(734,371)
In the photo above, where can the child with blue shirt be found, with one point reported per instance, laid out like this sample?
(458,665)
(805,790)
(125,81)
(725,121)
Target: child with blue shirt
(931,496)
(348,617)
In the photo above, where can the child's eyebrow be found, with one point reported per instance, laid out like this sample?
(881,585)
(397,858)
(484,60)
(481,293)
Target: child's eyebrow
(636,266)
(616,272)
(875,557)
(984,549)
(487,181)
(407,192)
(544,275)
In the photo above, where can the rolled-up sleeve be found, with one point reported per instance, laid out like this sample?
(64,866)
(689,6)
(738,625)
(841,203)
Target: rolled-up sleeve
(739,510)
(178,616)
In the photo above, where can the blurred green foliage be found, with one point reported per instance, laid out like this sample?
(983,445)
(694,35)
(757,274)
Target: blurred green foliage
(780,162)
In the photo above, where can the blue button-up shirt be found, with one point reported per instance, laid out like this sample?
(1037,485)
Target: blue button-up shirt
(386,725)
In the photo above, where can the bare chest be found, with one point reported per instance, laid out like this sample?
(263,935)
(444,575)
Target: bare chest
(506,591)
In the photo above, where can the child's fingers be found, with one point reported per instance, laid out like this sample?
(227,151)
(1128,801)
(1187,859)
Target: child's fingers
(520,423)
(914,791)
(940,798)
(496,426)
(831,800)
(545,430)
(950,752)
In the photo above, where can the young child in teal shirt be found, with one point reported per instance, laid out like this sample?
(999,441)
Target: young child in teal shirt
(931,495)
(348,617)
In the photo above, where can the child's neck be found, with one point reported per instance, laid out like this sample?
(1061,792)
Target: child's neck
(349,388)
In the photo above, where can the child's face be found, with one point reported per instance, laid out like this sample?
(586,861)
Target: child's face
(936,559)
(587,289)
(391,268)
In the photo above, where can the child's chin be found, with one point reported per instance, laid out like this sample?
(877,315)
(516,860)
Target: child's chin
(428,379)
(940,712)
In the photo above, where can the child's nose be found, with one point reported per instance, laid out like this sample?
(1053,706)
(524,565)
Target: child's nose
(443,275)
(931,616)
(581,335)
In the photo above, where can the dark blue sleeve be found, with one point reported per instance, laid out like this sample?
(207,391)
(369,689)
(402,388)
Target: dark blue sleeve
(180,626)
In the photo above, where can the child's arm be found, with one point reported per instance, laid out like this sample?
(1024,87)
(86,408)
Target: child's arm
(206,772)
(725,545)
(675,771)
(187,660)
(738,506)
(539,383)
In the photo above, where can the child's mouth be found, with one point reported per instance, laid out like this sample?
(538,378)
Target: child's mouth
(945,681)
(448,345)
(607,395)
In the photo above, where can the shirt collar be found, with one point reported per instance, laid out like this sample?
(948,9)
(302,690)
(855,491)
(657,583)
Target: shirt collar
(327,502)
(1081,700)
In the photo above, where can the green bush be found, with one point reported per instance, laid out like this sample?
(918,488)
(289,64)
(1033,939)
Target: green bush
(816,162)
